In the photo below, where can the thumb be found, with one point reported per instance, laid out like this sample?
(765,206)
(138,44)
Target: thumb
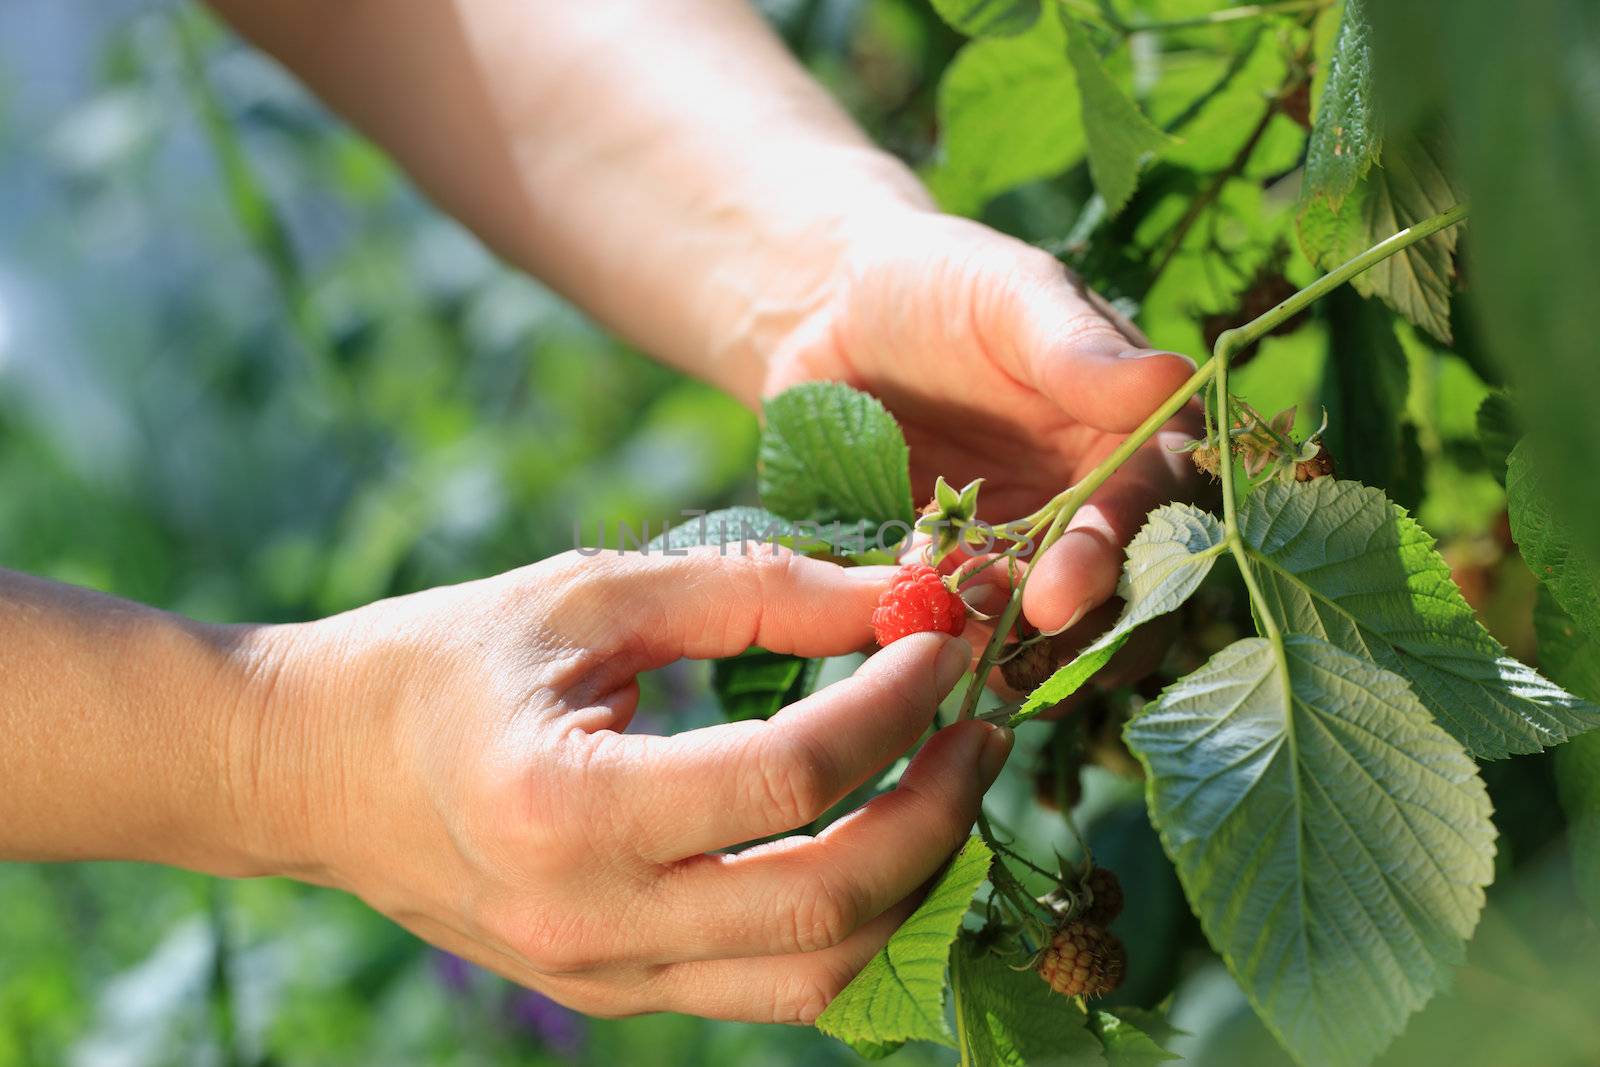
(1080,352)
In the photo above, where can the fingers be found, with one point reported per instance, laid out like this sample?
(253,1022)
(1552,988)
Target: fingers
(776,989)
(1070,349)
(724,785)
(809,894)
(1080,571)
(704,604)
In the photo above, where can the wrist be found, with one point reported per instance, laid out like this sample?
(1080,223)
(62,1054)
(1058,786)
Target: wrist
(289,748)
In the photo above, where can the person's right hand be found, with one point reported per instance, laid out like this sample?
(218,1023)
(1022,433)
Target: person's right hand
(457,759)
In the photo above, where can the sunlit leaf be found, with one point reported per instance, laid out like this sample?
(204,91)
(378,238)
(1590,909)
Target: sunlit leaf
(1166,561)
(1012,1018)
(830,452)
(899,995)
(1340,561)
(1332,839)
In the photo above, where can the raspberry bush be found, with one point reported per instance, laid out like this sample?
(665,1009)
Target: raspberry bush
(1318,784)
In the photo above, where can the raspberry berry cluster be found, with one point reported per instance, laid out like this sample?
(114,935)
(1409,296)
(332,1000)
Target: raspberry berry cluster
(1084,958)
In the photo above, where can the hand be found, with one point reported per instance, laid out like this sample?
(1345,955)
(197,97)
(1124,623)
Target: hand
(456,758)
(997,364)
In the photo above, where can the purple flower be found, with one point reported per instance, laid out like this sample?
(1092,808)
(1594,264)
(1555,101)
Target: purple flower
(453,972)
(561,1030)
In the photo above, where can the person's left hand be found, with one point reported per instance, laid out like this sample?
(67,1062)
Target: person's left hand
(998,364)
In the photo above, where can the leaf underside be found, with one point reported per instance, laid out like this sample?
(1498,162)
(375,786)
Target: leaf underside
(1166,561)
(1411,184)
(1332,839)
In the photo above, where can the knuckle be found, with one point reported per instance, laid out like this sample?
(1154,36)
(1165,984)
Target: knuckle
(796,782)
(805,996)
(552,942)
(820,917)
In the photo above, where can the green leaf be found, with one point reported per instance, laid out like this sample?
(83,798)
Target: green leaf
(988,18)
(1338,560)
(1119,136)
(830,452)
(1332,839)
(753,528)
(756,683)
(1346,137)
(1008,114)
(1535,213)
(1573,658)
(899,995)
(1499,430)
(1132,1037)
(736,525)
(1364,387)
(1011,1018)
(1547,541)
(1166,561)
(1411,184)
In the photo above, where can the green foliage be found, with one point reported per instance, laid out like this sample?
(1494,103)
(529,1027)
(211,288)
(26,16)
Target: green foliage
(1132,1036)
(477,438)
(1549,543)
(1346,139)
(1010,1018)
(728,526)
(1499,429)
(1411,184)
(832,453)
(756,683)
(988,18)
(1332,839)
(1533,264)
(1365,383)
(1166,562)
(1119,137)
(1008,114)
(1343,563)
(1572,656)
(899,995)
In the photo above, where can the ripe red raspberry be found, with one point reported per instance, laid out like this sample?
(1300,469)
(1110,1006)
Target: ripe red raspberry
(1106,893)
(1083,960)
(917,602)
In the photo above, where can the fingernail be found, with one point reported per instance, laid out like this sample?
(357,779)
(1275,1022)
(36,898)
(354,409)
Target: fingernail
(873,575)
(985,598)
(954,659)
(1146,353)
(992,756)
(1072,620)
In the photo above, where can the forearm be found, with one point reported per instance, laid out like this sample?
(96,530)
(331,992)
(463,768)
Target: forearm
(123,732)
(668,166)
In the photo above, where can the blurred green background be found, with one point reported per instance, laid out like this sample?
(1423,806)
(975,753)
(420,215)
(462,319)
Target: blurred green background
(246,373)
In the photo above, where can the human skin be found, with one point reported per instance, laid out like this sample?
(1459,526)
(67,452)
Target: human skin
(668,166)
(458,759)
